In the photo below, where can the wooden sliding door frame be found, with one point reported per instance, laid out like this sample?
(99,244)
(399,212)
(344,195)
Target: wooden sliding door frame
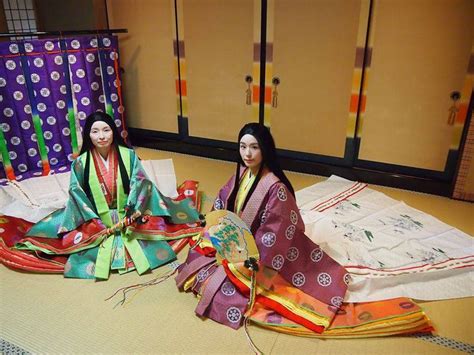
(350,166)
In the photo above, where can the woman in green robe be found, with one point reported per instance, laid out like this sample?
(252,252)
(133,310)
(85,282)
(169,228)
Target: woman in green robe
(108,185)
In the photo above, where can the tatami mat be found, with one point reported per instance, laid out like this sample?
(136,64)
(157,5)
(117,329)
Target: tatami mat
(50,314)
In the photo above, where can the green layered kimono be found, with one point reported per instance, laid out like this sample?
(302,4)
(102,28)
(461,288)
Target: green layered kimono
(78,229)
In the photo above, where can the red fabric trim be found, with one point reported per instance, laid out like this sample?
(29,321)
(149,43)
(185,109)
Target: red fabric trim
(345,198)
(24,261)
(92,230)
(179,244)
(336,196)
(206,251)
(433,266)
(119,94)
(107,178)
(271,304)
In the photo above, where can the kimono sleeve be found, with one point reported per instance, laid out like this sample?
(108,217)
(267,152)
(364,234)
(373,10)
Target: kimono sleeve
(145,197)
(79,209)
(220,201)
(284,247)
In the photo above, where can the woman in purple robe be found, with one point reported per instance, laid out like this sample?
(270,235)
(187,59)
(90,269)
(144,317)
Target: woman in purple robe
(295,278)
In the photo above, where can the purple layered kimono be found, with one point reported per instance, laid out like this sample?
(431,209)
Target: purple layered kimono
(275,222)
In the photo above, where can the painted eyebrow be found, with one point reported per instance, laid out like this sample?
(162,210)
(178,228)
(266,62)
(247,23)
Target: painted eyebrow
(98,129)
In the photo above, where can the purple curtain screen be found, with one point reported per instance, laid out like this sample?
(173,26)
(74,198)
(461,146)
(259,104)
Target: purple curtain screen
(93,85)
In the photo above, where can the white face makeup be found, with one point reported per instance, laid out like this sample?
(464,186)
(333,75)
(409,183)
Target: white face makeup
(101,136)
(250,152)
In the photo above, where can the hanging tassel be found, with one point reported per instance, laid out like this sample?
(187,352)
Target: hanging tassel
(453,110)
(142,286)
(252,265)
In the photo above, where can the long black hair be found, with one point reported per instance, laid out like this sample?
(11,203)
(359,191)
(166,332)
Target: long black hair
(269,160)
(87,146)
(96,117)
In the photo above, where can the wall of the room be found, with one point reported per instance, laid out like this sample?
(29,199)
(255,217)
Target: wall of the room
(464,186)
(3,20)
(363,84)
(60,15)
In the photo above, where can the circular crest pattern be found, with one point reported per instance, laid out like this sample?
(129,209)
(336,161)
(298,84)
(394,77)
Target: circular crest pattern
(218,204)
(298,279)
(80,73)
(28,47)
(90,57)
(10,65)
(293,217)
(316,255)
(324,279)
(8,112)
(77,238)
(38,62)
(290,231)
(228,289)
(337,301)
(269,239)
(45,92)
(55,75)
(234,315)
(263,216)
(20,79)
(41,107)
(292,254)
(13,48)
(18,95)
(202,275)
(49,46)
(278,261)
(35,78)
(281,193)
